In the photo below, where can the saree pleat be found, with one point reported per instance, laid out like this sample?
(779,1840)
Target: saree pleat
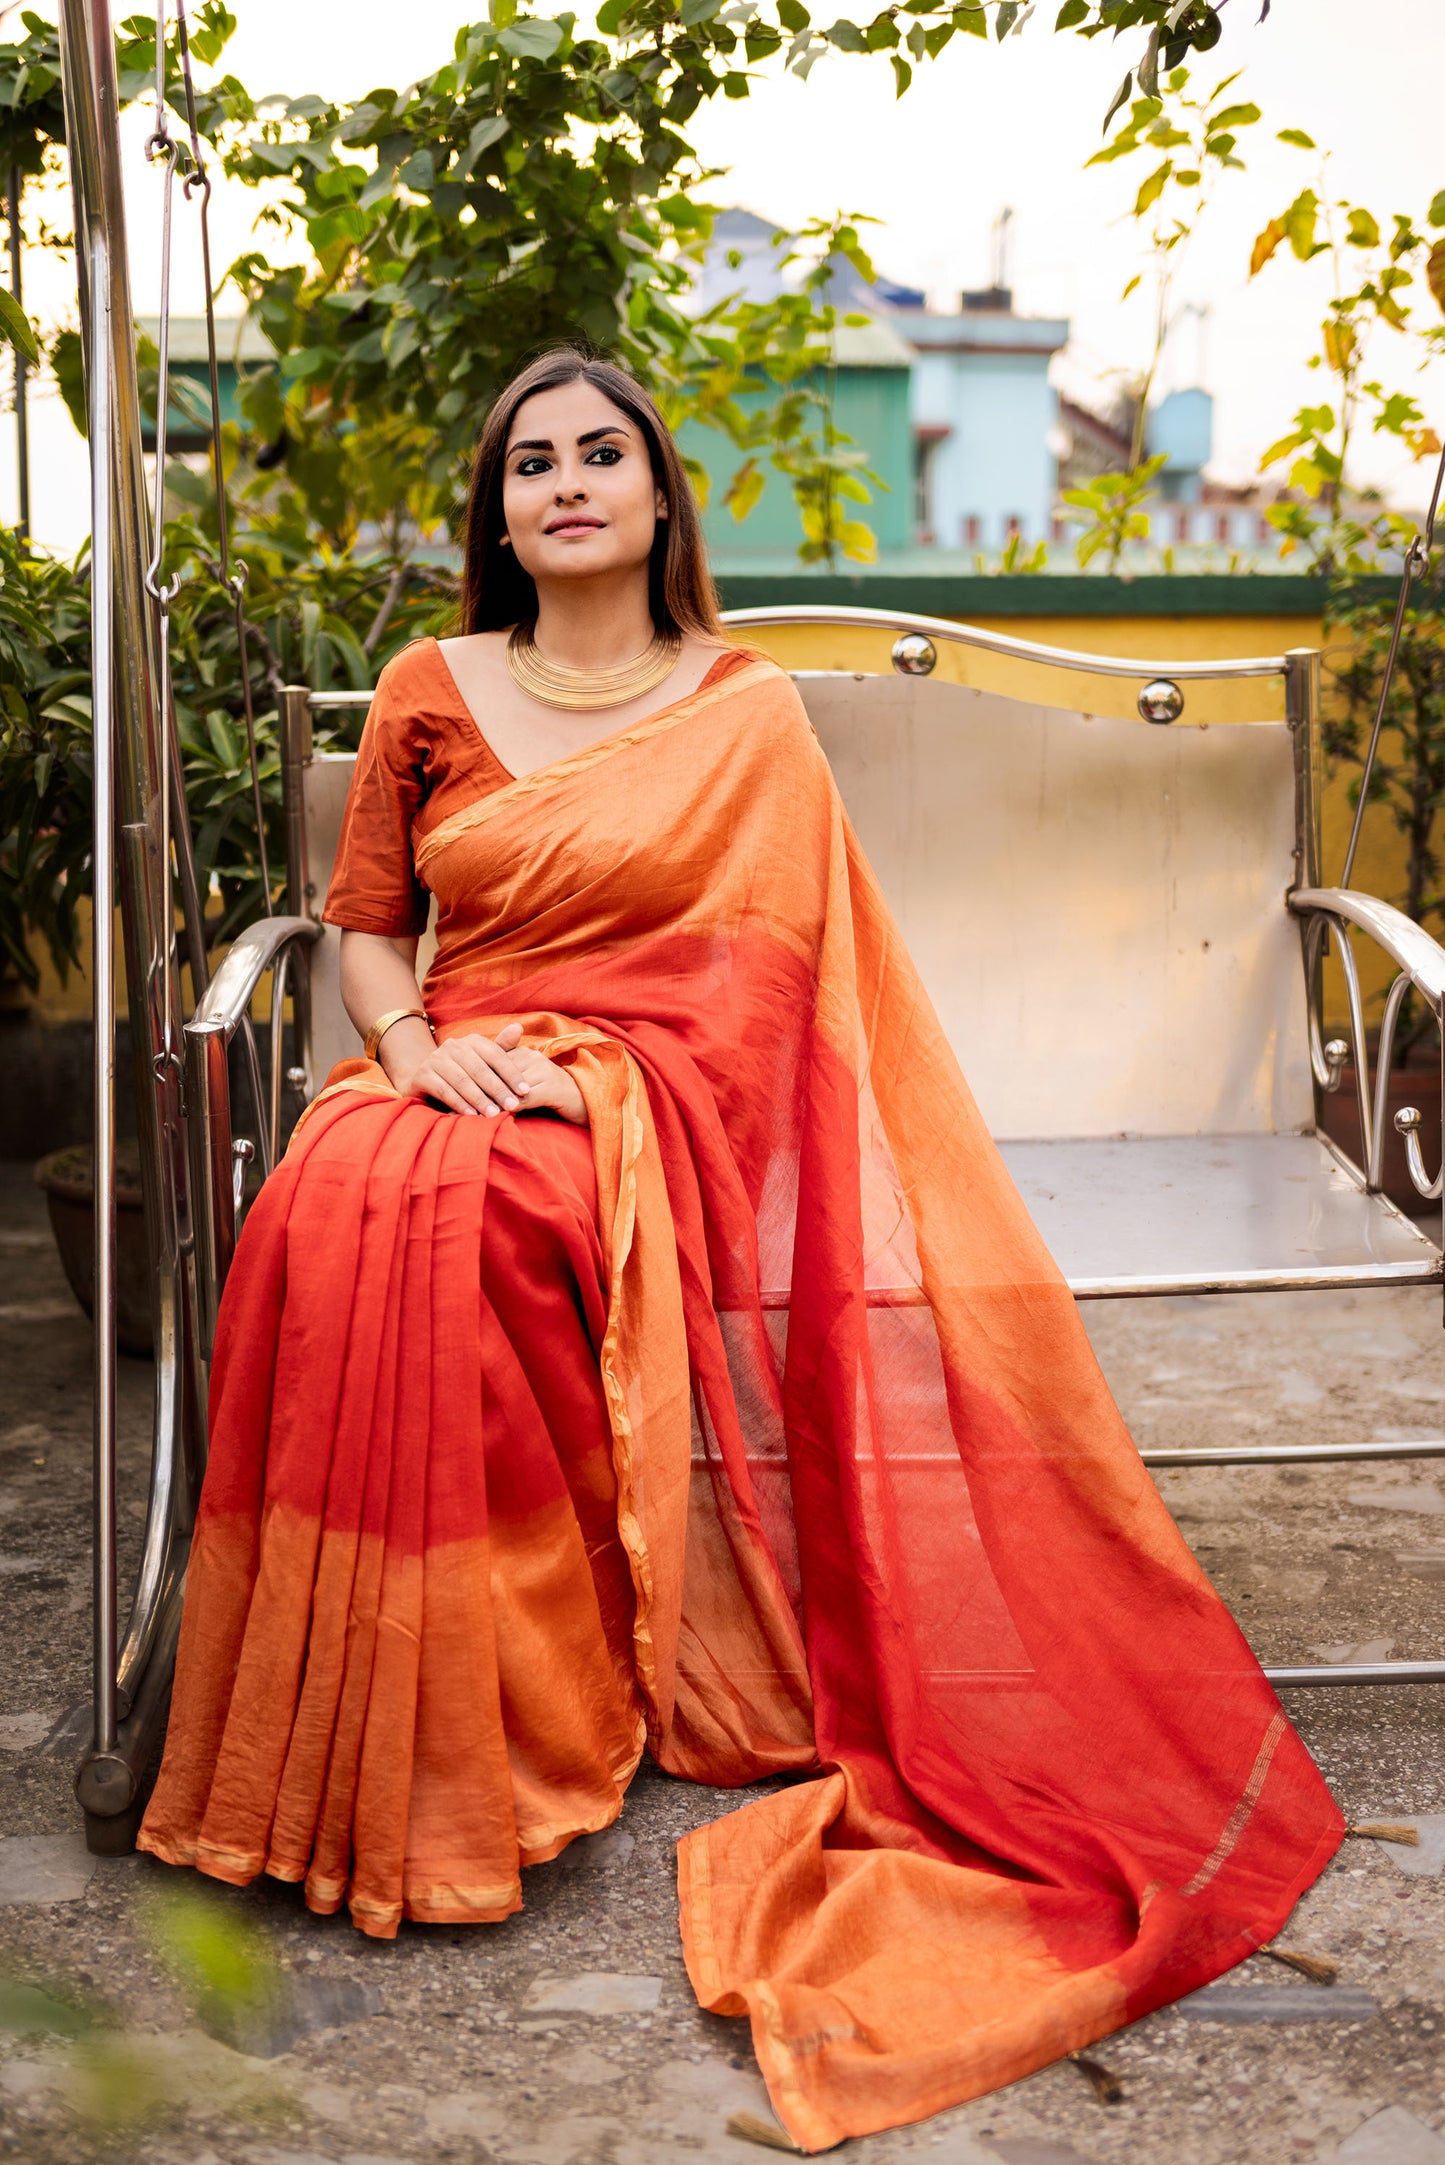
(752,1422)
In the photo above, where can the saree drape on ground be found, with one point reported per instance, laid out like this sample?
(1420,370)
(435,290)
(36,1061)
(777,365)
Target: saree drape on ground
(771,1440)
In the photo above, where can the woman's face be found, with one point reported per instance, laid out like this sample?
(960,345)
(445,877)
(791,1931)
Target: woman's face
(578,494)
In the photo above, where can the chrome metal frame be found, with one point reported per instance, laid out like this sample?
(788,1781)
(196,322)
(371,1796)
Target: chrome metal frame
(193,1167)
(135,761)
(1420,961)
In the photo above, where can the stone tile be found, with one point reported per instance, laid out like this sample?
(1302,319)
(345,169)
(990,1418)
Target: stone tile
(583,2069)
(1426,1862)
(317,2157)
(468,2112)
(1354,1652)
(1031,2150)
(299,2007)
(593,1992)
(19,1732)
(1278,2003)
(1427,1564)
(1392,2137)
(574,2138)
(1423,1496)
(45,1867)
(955,2147)
(606,1851)
(687,2114)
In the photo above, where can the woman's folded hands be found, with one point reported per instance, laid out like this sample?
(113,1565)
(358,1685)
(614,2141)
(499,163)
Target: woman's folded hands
(476,1074)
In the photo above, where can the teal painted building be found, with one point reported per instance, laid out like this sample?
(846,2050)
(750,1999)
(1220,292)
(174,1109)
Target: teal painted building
(871,404)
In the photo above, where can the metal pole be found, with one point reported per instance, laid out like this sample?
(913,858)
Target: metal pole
(22,432)
(103,987)
(107,1781)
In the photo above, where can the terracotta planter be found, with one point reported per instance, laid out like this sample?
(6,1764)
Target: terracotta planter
(68,1179)
(1416,1084)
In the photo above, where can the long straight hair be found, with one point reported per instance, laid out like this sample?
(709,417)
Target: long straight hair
(496,591)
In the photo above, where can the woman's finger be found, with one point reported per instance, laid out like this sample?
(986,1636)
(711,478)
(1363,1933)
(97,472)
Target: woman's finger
(482,1075)
(475,1083)
(501,1057)
(441,1092)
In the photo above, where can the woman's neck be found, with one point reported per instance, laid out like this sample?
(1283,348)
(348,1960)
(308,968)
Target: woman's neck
(593,623)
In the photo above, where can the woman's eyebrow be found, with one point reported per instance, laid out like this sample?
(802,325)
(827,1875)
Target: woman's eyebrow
(544,443)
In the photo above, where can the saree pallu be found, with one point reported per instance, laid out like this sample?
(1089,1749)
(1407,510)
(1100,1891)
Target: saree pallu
(754,1426)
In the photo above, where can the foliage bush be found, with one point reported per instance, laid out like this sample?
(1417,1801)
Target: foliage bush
(303,608)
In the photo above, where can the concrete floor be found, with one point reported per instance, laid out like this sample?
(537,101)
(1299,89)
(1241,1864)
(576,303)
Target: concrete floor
(568,2035)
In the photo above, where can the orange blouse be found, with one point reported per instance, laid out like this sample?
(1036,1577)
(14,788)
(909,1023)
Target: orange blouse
(422,757)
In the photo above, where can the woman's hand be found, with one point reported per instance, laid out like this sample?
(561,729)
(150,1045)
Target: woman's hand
(478,1074)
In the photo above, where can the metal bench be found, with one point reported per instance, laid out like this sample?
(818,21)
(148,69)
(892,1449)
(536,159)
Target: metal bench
(1120,922)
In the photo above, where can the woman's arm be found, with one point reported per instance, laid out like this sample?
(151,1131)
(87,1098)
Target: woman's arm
(471,1074)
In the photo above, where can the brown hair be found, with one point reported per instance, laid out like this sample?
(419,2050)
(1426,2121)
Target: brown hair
(496,591)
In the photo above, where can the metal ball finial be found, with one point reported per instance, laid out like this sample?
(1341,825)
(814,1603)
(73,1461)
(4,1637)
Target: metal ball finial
(914,655)
(1161,701)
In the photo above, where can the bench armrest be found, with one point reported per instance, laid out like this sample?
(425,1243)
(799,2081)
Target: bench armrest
(217,1161)
(1409,946)
(1420,965)
(230,993)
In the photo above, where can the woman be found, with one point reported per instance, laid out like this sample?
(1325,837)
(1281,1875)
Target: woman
(771,1443)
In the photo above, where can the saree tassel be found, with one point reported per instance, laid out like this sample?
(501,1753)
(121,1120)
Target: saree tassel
(1107,2087)
(749,2128)
(1323,1972)
(1388,1830)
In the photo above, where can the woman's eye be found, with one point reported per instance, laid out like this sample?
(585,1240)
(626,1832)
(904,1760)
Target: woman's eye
(604,455)
(534,465)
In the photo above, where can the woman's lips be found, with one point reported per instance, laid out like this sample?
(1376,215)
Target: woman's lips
(575,526)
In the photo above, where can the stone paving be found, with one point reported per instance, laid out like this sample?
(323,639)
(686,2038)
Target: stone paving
(568,2035)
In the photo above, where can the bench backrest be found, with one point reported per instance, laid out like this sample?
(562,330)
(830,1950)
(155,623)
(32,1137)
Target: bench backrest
(1097,906)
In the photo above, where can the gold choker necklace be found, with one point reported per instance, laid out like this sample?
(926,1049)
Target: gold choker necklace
(558,686)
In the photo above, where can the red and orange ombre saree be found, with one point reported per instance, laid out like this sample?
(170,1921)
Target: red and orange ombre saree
(753,1426)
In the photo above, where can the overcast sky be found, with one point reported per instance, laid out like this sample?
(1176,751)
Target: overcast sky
(982,127)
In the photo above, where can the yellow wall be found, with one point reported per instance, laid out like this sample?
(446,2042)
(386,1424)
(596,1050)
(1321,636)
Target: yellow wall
(1378,868)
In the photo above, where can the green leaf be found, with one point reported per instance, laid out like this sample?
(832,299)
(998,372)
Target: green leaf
(1435,216)
(1153,188)
(1298,137)
(532,38)
(1299,225)
(1234,116)
(793,15)
(700,11)
(68,366)
(1435,274)
(609,16)
(1120,97)
(1363,230)
(902,72)
(745,488)
(1072,11)
(483,136)
(15,326)
(847,37)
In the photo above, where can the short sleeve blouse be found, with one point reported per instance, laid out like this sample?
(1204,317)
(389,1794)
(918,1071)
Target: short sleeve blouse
(421,758)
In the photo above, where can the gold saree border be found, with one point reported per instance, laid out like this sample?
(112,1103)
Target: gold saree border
(655,725)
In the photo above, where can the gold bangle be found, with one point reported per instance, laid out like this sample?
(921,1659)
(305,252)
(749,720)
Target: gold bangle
(383,1023)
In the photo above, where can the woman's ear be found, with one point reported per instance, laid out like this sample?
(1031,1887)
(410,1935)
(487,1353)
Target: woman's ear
(504,541)
(661,505)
